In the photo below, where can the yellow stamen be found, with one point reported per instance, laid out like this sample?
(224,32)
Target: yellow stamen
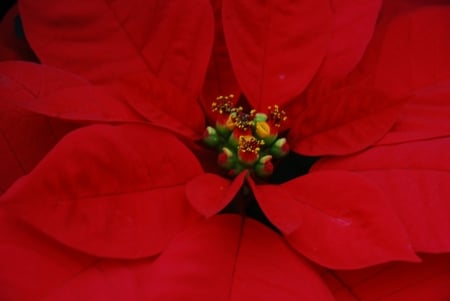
(249,144)
(276,116)
(223,104)
(242,120)
(262,129)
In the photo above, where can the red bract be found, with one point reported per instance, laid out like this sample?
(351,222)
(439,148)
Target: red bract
(124,186)
(394,281)
(344,121)
(226,247)
(97,191)
(392,63)
(25,139)
(13,45)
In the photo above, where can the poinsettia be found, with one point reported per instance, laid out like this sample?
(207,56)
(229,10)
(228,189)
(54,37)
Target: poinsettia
(125,190)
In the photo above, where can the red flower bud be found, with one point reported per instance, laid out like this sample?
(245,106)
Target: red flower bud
(280,148)
(248,149)
(264,167)
(226,158)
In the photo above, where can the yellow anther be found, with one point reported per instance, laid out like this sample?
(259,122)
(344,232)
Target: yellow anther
(249,144)
(242,120)
(262,129)
(276,116)
(223,104)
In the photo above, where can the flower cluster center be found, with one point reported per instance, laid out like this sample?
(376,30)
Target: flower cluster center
(240,119)
(249,144)
(246,140)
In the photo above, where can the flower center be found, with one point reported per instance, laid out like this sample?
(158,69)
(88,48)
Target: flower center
(246,140)
(223,104)
(249,144)
(241,120)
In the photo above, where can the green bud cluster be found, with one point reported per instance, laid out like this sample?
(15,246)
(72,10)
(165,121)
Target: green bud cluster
(246,141)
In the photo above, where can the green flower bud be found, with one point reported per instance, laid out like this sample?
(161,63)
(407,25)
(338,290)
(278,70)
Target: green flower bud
(280,148)
(264,167)
(226,158)
(210,137)
(260,117)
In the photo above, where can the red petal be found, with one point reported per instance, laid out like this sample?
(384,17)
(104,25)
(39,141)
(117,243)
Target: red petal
(353,28)
(25,138)
(403,57)
(346,121)
(426,115)
(220,79)
(110,191)
(136,41)
(276,47)
(106,280)
(227,258)
(175,38)
(395,281)
(13,47)
(160,104)
(102,40)
(208,157)
(56,93)
(210,193)
(394,8)
(336,219)
(414,177)
(31,265)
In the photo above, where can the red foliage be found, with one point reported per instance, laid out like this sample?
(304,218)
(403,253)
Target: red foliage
(124,209)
